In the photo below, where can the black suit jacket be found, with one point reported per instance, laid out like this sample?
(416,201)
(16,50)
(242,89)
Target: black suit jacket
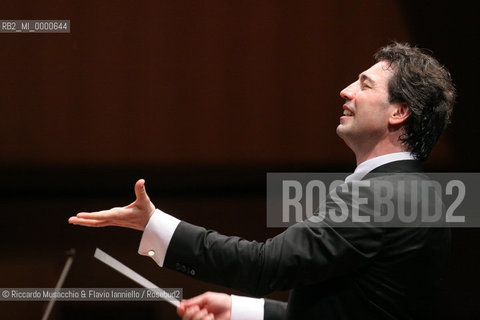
(333,273)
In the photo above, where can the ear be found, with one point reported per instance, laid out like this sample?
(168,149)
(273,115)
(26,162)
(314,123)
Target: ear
(400,113)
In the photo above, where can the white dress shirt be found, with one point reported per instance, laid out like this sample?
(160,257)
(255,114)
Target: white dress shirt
(365,167)
(161,226)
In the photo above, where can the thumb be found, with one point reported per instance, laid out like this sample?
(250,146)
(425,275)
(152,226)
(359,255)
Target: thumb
(181,308)
(140,191)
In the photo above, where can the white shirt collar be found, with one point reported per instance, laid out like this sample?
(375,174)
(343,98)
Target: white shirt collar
(370,164)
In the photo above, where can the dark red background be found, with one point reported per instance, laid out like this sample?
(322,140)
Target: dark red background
(201,99)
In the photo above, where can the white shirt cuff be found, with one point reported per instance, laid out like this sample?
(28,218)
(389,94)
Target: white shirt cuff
(157,235)
(245,308)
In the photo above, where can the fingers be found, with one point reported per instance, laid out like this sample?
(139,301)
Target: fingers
(99,215)
(96,219)
(87,222)
(195,308)
(209,316)
(201,315)
(199,300)
(190,312)
(195,313)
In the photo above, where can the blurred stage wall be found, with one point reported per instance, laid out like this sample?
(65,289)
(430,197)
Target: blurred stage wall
(201,99)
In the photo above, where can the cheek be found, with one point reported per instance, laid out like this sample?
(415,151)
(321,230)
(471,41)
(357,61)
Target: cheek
(369,119)
(373,117)
(372,107)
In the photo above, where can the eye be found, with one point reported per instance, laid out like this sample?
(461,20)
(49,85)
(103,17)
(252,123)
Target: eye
(363,85)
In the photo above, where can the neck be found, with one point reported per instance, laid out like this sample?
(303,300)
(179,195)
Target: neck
(379,149)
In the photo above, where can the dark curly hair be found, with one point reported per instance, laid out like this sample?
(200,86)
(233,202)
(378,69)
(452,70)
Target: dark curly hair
(426,87)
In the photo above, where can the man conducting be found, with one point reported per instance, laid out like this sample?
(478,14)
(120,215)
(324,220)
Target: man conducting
(392,116)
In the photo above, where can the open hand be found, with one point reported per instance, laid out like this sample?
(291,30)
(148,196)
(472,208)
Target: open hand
(133,216)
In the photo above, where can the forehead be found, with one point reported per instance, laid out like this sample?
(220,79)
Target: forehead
(379,72)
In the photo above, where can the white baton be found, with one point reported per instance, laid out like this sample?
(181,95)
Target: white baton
(129,273)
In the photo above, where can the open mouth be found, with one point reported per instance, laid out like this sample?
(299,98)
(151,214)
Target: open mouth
(347,112)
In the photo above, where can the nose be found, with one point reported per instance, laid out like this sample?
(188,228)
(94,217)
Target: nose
(348,93)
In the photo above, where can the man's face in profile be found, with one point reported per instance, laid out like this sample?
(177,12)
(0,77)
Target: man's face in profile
(366,110)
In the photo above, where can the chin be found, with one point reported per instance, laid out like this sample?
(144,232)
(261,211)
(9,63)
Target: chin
(341,131)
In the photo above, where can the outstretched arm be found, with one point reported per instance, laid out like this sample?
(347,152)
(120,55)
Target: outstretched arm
(133,216)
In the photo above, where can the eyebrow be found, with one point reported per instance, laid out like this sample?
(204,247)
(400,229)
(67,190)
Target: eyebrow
(363,77)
